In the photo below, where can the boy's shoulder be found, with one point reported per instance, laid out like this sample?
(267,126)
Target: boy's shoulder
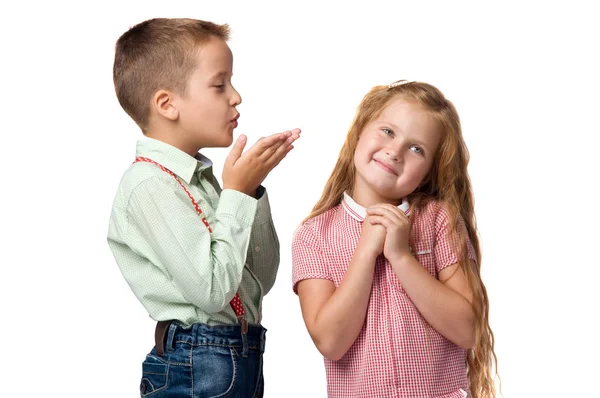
(153,155)
(137,175)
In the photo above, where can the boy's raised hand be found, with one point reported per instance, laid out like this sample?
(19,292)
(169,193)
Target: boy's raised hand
(244,172)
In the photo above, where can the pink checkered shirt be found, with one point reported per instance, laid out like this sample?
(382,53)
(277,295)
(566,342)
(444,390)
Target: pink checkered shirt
(397,353)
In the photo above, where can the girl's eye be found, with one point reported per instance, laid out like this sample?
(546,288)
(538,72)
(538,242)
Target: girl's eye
(417,150)
(220,86)
(387,132)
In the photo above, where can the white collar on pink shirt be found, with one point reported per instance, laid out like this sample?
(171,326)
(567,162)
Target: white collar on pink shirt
(359,213)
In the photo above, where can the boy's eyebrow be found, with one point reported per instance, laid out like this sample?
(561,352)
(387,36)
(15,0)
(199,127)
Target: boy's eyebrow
(219,74)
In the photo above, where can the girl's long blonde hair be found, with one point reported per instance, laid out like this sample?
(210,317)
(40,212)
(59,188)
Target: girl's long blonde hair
(448,182)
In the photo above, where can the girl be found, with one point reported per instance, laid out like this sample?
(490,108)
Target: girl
(387,264)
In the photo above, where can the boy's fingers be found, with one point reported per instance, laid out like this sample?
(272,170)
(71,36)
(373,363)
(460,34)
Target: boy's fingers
(283,148)
(265,143)
(273,148)
(236,150)
(271,140)
(280,155)
(275,140)
(278,159)
(276,149)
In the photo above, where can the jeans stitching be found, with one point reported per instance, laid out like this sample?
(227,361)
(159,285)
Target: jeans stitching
(158,389)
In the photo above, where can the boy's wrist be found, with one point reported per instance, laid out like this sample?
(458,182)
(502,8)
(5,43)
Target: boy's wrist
(244,190)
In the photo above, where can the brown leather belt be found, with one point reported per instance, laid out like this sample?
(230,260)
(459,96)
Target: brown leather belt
(159,336)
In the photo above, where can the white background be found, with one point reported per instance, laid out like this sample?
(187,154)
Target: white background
(524,77)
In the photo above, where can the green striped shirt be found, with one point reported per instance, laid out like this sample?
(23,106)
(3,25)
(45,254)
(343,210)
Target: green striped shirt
(175,267)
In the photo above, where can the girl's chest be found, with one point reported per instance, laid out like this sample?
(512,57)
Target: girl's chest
(338,251)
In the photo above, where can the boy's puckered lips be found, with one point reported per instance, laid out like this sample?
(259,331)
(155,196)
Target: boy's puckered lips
(234,120)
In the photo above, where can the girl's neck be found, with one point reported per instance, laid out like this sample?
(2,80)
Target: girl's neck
(367,198)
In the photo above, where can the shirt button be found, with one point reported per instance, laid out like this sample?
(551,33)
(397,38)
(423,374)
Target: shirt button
(257,249)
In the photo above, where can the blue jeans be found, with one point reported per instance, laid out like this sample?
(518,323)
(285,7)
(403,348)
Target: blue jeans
(206,361)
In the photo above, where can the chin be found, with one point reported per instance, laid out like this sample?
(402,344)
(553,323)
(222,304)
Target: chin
(228,142)
(389,193)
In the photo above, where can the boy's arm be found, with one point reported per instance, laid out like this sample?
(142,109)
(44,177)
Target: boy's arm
(163,229)
(263,253)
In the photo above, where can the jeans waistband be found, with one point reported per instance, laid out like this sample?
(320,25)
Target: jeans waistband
(229,335)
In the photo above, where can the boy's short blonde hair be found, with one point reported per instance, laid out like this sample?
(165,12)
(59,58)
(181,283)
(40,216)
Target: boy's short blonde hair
(158,54)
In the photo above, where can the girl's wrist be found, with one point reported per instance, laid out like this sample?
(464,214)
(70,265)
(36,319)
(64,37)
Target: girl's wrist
(365,254)
(402,258)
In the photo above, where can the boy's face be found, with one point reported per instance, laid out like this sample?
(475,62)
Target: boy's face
(207,114)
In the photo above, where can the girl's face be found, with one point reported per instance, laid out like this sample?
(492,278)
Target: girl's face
(394,153)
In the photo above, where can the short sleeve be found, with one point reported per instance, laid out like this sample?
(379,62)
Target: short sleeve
(446,247)
(307,256)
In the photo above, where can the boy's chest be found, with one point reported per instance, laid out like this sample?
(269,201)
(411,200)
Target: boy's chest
(206,193)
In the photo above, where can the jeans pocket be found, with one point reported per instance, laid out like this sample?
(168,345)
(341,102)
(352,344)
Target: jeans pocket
(154,376)
(215,370)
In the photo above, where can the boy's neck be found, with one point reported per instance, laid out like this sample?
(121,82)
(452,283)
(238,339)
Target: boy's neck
(173,139)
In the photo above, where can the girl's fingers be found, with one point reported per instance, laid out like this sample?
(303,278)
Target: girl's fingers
(380,220)
(389,211)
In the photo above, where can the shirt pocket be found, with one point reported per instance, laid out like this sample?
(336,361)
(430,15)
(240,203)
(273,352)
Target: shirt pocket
(460,393)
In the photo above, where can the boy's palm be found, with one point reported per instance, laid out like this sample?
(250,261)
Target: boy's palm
(244,172)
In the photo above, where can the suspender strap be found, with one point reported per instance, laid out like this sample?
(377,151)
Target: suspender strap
(236,302)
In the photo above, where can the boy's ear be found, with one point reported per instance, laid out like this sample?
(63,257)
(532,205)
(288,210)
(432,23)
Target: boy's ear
(164,104)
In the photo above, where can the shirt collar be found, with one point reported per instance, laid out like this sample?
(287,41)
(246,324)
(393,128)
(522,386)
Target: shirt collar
(359,213)
(174,159)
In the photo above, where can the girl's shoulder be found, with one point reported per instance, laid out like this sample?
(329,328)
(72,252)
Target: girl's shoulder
(319,225)
(432,210)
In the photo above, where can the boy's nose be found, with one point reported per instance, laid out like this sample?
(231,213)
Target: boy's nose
(236,98)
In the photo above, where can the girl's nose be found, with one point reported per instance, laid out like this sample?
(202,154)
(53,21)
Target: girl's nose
(394,155)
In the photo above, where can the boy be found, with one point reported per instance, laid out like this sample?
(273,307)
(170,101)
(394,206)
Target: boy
(199,259)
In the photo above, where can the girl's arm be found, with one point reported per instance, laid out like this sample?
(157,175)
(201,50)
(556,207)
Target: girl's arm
(444,303)
(335,317)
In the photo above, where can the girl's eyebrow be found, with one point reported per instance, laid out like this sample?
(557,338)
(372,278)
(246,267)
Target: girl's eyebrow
(396,128)
(391,124)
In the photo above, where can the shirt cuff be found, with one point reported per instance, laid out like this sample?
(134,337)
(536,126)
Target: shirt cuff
(238,205)
(260,191)
(263,211)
